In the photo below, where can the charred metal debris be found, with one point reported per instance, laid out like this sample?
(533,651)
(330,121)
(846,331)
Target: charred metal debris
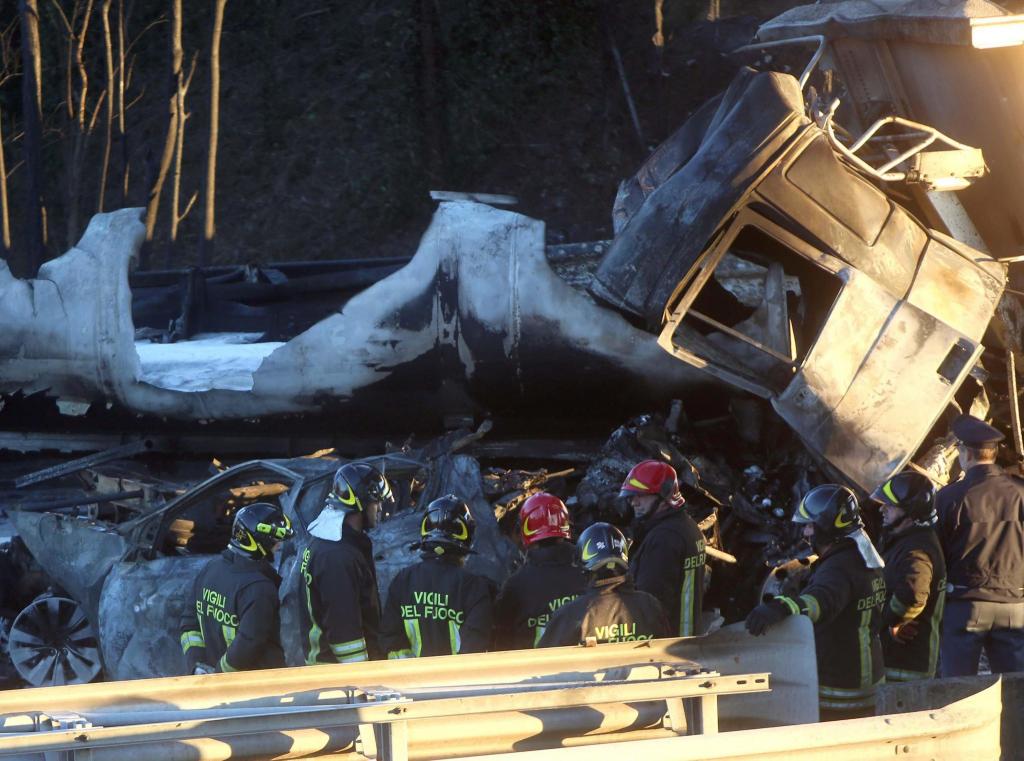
(821,263)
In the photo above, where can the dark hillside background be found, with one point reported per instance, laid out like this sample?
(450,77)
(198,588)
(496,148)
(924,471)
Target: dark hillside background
(337,117)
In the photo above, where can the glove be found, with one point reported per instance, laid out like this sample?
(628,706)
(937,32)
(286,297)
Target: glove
(202,668)
(904,633)
(765,616)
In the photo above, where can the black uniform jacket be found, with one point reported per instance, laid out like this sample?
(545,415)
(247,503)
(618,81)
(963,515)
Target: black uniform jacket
(981,529)
(232,620)
(610,610)
(341,617)
(844,599)
(437,607)
(532,594)
(915,582)
(667,561)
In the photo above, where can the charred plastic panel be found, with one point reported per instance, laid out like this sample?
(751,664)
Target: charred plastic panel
(856,321)
(477,320)
(759,115)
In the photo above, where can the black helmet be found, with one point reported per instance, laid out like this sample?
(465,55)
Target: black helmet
(355,485)
(833,510)
(257,528)
(912,492)
(601,545)
(447,524)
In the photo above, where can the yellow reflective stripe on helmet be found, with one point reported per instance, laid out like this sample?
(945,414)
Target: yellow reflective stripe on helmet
(887,490)
(638,484)
(348,499)
(587,554)
(249,544)
(278,532)
(464,532)
(839,522)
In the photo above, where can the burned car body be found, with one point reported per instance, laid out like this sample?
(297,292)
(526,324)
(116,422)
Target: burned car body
(133,579)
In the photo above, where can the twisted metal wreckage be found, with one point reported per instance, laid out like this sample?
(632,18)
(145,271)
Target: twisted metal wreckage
(835,245)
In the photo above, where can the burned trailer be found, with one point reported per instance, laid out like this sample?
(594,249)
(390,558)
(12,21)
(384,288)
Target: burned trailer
(479,321)
(760,255)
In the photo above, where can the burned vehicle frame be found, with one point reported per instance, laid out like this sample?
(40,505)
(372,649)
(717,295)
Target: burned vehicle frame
(122,587)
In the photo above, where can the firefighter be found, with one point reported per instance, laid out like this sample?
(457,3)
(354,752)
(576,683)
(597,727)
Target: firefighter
(437,607)
(548,580)
(337,578)
(915,578)
(232,622)
(981,529)
(668,559)
(611,609)
(843,598)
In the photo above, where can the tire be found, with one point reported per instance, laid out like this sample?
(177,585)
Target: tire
(52,643)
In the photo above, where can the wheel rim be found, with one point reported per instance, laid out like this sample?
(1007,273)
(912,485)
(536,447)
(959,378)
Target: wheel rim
(52,643)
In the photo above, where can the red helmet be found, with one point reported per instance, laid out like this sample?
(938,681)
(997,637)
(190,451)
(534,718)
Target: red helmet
(543,516)
(653,477)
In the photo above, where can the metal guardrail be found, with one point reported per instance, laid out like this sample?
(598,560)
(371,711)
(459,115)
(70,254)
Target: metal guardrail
(730,651)
(968,728)
(389,714)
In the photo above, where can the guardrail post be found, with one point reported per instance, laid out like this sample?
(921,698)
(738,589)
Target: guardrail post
(394,741)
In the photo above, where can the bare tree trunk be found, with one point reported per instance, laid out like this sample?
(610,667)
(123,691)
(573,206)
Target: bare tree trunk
(153,206)
(5,212)
(81,126)
(32,107)
(108,60)
(177,216)
(206,246)
(122,136)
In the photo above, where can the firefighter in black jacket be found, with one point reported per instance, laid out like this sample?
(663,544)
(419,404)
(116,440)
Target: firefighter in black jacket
(437,607)
(337,577)
(915,578)
(843,598)
(981,529)
(547,581)
(610,610)
(668,556)
(232,621)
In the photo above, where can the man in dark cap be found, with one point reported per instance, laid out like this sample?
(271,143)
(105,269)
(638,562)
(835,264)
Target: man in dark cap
(981,528)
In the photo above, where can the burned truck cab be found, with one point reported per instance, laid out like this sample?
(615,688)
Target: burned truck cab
(759,255)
